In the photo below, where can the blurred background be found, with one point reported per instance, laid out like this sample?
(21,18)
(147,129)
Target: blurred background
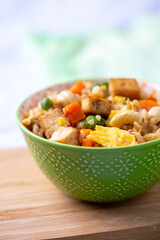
(45,42)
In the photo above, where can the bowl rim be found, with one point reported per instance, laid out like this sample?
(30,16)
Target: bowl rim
(62,145)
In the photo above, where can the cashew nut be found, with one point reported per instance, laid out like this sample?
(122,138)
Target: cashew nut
(152,136)
(154,115)
(99,91)
(127,117)
(66,97)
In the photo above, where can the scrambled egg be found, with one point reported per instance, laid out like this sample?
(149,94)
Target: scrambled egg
(112,137)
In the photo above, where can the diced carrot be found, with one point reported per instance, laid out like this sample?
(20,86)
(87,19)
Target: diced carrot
(148,104)
(144,84)
(152,96)
(87,143)
(74,112)
(77,87)
(86,132)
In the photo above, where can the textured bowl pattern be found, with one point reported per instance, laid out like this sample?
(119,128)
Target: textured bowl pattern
(99,176)
(95,174)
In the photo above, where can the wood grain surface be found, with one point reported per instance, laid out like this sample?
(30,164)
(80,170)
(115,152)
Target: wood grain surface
(31,208)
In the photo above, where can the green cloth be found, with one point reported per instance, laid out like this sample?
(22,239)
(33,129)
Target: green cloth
(133,52)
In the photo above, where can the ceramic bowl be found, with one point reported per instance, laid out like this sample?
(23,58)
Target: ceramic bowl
(93,174)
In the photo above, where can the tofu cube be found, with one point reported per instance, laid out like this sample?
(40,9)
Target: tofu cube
(67,135)
(49,121)
(92,105)
(125,87)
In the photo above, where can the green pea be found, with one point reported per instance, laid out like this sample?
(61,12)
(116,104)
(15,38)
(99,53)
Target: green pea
(46,103)
(105,83)
(95,84)
(99,120)
(90,122)
(100,84)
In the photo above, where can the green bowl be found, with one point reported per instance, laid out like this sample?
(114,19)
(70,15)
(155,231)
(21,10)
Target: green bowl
(93,174)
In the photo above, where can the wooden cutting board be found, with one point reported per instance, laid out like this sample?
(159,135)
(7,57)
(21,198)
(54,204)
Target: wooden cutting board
(32,208)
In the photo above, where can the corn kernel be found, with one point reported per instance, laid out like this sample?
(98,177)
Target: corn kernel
(119,100)
(112,114)
(26,121)
(62,121)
